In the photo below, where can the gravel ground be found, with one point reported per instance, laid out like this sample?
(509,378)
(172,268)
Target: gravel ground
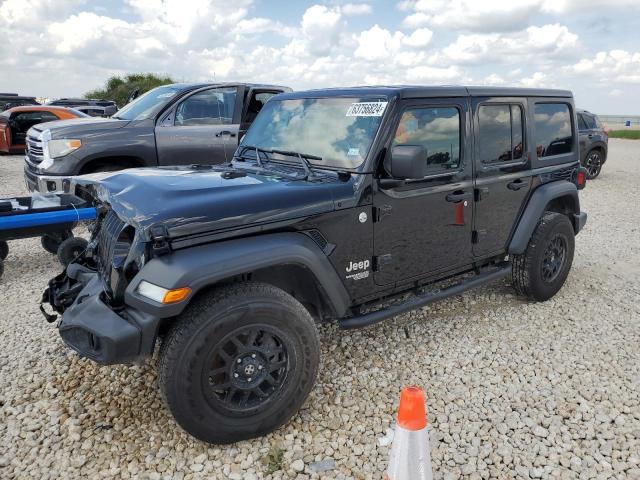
(514,389)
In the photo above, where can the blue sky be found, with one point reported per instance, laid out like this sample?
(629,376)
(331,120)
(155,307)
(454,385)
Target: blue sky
(55,48)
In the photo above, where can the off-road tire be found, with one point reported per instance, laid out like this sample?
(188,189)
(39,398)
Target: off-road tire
(527,269)
(51,241)
(70,249)
(4,250)
(197,335)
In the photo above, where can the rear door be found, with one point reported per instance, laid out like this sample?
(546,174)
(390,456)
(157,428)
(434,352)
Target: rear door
(202,128)
(502,173)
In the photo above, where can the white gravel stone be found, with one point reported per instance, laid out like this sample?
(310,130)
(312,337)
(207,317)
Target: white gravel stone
(497,371)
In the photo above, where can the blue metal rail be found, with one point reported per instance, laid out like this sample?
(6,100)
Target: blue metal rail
(71,215)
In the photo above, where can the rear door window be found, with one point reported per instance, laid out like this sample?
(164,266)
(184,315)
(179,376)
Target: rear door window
(553,132)
(500,133)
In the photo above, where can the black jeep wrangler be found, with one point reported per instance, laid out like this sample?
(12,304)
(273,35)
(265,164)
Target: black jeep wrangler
(349,205)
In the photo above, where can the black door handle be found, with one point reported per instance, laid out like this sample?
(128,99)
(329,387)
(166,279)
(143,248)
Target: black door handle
(225,132)
(590,135)
(457,197)
(516,185)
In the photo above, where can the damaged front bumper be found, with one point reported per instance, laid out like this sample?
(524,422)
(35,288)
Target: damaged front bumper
(93,328)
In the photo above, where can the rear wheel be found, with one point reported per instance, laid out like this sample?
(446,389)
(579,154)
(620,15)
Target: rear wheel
(240,363)
(593,163)
(542,269)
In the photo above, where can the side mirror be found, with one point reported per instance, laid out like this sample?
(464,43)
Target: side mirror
(407,162)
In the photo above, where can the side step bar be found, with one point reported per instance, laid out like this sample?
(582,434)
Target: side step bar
(490,275)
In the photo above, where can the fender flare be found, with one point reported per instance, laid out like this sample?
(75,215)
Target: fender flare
(535,209)
(204,265)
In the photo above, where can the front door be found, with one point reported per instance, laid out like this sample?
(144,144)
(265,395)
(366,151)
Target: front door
(503,171)
(424,226)
(202,129)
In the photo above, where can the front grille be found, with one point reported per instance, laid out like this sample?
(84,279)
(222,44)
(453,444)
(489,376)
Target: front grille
(109,230)
(34,149)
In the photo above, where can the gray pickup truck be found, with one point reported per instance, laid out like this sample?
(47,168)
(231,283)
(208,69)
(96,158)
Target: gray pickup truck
(173,124)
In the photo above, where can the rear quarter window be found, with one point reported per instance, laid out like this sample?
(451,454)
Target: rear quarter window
(553,131)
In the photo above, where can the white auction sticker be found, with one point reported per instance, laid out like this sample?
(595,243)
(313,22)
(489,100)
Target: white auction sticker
(366,109)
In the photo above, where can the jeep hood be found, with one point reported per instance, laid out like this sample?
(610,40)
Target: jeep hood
(191,201)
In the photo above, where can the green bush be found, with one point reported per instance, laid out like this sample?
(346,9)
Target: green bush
(629,134)
(118,88)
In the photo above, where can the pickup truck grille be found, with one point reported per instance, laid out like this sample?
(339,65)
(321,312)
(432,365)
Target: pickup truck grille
(109,230)
(34,149)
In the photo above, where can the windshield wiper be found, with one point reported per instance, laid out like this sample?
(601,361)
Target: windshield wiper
(257,150)
(304,159)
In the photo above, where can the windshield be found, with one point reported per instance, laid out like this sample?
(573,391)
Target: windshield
(338,130)
(147,105)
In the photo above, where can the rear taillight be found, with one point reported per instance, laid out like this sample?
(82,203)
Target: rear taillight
(580,178)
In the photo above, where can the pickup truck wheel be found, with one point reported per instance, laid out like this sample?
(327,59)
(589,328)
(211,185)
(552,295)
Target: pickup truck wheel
(542,269)
(240,363)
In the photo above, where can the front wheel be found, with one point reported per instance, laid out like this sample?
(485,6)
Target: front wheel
(239,363)
(542,269)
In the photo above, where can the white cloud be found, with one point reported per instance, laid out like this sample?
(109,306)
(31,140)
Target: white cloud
(378,43)
(612,66)
(80,30)
(493,79)
(356,9)
(538,79)
(546,42)
(482,16)
(321,28)
(420,38)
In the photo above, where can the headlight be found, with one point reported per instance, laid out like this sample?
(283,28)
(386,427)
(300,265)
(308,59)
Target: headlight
(62,147)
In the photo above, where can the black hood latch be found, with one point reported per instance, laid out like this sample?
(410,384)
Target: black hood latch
(159,236)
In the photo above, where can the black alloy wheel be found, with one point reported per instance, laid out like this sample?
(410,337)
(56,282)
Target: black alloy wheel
(247,370)
(554,258)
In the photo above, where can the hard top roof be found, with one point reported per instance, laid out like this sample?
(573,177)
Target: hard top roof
(416,91)
(193,86)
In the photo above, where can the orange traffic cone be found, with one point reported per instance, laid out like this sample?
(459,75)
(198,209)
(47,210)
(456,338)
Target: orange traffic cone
(410,452)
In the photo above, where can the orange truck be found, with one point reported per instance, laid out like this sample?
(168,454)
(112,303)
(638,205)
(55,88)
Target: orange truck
(15,122)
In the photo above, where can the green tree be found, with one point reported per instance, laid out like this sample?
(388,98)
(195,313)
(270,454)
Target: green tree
(118,88)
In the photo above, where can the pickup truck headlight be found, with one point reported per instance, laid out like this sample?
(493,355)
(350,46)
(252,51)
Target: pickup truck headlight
(61,147)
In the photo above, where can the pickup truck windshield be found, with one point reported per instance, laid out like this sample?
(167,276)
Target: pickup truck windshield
(339,131)
(147,105)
